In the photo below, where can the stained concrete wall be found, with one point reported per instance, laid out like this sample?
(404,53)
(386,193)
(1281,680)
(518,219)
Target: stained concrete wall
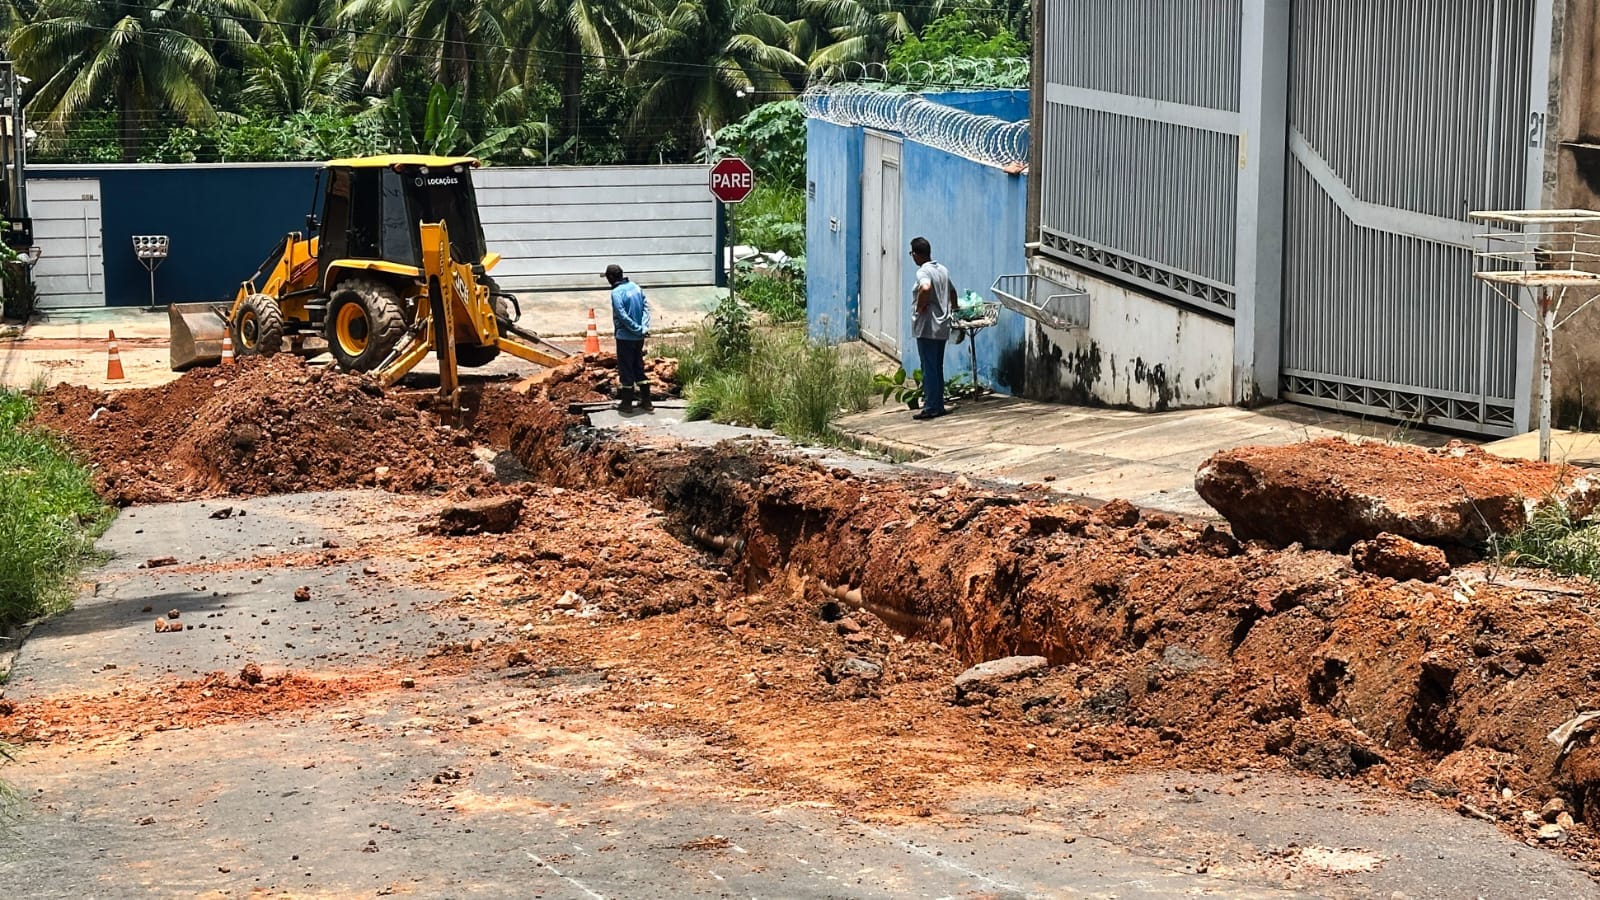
(1138,352)
(833,230)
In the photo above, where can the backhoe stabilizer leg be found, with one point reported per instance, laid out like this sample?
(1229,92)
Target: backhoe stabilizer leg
(525,352)
(405,362)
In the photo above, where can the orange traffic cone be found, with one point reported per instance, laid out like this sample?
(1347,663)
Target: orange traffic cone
(591,339)
(227,347)
(113,361)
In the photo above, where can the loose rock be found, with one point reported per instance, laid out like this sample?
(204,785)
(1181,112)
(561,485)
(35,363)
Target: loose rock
(159,561)
(302,594)
(986,677)
(1392,556)
(491,515)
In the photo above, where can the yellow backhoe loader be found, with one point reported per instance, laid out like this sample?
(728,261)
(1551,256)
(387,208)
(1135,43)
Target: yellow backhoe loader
(393,269)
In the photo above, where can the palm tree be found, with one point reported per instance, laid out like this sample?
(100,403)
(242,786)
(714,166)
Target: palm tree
(287,74)
(581,34)
(140,57)
(862,31)
(458,40)
(711,58)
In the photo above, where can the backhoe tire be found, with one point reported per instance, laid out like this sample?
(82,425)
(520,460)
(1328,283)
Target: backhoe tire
(364,323)
(257,327)
(472,356)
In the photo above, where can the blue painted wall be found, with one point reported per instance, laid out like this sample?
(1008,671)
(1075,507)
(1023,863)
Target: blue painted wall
(833,254)
(223,221)
(974,215)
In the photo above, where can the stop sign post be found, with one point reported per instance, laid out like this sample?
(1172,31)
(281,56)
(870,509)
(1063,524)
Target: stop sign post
(732,180)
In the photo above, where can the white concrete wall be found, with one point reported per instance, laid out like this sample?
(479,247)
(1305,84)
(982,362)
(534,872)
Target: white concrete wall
(1137,352)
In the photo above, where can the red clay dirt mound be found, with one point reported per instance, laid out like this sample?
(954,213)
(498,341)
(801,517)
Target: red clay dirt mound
(269,425)
(1331,493)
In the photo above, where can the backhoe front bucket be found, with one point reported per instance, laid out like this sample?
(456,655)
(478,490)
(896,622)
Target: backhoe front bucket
(197,331)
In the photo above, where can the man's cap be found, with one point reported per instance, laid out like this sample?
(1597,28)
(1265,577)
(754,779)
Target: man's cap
(613,272)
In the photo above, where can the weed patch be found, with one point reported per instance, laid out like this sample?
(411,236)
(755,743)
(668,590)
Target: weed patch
(768,378)
(49,516)
(1555,541)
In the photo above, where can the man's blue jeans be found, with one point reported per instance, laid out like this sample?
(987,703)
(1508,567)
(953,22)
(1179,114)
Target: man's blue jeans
(931,352)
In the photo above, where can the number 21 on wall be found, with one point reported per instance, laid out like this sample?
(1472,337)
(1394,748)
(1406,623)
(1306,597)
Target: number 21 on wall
(1536,129)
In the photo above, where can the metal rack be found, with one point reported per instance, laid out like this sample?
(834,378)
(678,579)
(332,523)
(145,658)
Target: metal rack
(970,327)
(1066,309)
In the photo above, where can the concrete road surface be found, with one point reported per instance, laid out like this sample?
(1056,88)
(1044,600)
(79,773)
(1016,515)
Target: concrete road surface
(477,782)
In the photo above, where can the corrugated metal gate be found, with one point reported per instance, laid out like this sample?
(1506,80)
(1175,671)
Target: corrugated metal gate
(1403,118)
(559,227)
(1142,113)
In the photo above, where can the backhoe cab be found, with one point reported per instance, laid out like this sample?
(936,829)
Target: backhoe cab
(393,267)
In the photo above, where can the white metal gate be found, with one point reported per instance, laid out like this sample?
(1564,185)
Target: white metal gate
(882,303)
(559,227)
(1404,117)
(66,226)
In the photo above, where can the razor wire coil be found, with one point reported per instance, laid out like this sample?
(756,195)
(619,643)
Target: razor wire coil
(985,139)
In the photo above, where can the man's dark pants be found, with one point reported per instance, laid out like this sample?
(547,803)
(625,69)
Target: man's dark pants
(931,352)
(630,362)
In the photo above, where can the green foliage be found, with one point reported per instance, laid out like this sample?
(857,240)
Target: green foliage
(1553,540)
(260,138)
(772,139)
(783,381)
(778,290)
(49,516)
(901,387)
(772,218)
(907,388)
(961,34)
(731,333)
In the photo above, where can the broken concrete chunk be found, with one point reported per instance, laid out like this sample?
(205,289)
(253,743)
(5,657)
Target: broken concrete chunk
(986,677)
(1553,834)
(1392,556)
(1328,494)
(488,515)
(569,600)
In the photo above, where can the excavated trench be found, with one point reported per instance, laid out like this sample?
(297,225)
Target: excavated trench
(1161,633)
(1158,629)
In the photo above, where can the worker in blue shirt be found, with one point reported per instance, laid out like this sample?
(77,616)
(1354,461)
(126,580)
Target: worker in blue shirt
(630,320)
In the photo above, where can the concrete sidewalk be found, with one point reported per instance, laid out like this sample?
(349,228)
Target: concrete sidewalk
(1148,459)
(70,345)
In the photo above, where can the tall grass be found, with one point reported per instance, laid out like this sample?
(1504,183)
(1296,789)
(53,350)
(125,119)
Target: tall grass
(785,382)
(1553,540)
(49,516)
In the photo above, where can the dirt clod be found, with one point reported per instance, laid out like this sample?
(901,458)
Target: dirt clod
(250,674)
(491,515)
(1392,556)
(302,594)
